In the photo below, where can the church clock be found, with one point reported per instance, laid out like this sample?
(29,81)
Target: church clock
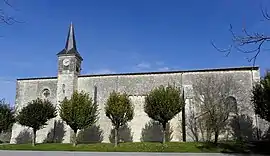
(66,62)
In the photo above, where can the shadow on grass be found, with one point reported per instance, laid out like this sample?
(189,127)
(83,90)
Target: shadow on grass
(261,147)
(258,147)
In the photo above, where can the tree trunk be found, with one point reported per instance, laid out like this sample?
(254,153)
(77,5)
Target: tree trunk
(216,137)
(115,137)
(34,137)
(54,131)
(196,134)
(208,134)
(201,131)
(164,133)
(75,138)
(239,128)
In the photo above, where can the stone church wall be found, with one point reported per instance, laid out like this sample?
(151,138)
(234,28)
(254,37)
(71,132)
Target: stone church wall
(136,86)
(245,80)
(26,91)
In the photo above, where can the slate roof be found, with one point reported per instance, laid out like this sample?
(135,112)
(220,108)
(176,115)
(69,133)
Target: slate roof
(162,72)
(70,48)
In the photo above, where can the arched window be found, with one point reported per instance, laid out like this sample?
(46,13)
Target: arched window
(46,93)
(63,88)
(232,103)
(77,68)
(95,94)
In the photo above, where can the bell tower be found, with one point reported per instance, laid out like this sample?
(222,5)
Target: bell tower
(69,67)
(69,59)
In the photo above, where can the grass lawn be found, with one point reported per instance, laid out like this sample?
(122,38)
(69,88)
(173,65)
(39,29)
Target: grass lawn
(133,147)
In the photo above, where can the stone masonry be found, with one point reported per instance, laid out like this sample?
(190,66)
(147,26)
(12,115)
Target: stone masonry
(136,85)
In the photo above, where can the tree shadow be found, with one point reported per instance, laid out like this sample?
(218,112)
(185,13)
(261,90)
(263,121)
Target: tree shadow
(152,132)
(5,137)
(266,135)
(261,147)
(57,133)
(24,137)
(229,147)
(91,134)
(124,134)
(254,147)
(242,128)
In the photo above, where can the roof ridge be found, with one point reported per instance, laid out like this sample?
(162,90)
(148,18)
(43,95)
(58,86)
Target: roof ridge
(158,72)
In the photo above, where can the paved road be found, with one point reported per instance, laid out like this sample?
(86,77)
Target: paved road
(54,153)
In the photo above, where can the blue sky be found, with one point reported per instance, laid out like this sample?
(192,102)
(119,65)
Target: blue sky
(115,36)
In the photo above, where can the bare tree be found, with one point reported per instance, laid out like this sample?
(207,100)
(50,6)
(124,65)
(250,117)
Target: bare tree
(211,93)
(248,42)
(191,123)
(6,18)
(192,126)
(204,126)
(197,123)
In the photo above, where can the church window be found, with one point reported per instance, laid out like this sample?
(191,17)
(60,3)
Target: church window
(95,94)
(65,67)
(77,68)
(46,93)
(63,88)
(232,103)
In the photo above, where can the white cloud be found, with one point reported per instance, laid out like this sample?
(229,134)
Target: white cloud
(163,69)
(159,63)
(156,66)
(103,71)
(138,67)
(143,65)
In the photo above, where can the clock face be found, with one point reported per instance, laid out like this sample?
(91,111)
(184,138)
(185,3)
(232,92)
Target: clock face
(66,62)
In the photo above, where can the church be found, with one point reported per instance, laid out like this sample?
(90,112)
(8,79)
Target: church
(99,86)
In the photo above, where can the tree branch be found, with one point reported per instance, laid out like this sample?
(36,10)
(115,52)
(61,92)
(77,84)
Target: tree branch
(248,43)
(6,19)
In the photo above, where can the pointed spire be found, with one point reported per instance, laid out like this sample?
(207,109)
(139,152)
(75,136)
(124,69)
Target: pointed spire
(70,47)
(71,42)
